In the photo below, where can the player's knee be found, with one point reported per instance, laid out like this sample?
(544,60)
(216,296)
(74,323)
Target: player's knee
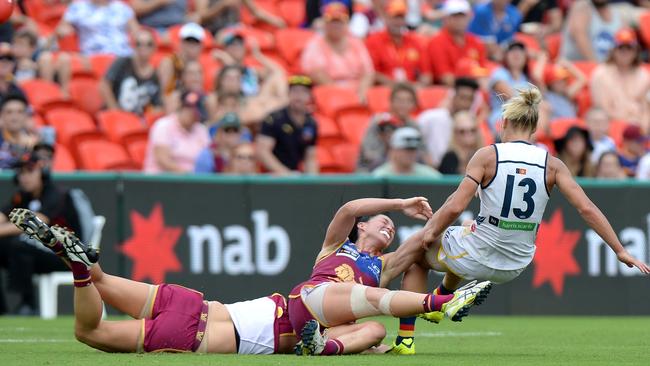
(376,332)
(82,335)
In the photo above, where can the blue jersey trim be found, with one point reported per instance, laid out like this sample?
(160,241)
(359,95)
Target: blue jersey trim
(523,162)
(546,185)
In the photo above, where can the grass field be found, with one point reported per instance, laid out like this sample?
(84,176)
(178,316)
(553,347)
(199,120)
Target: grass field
(479,340)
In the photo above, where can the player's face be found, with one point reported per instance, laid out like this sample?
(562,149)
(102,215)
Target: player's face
(381,229)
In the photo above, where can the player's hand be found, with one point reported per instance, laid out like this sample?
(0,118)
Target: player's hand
(417,208)
(630,261)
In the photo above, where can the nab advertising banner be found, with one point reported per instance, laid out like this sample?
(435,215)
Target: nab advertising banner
(237,239)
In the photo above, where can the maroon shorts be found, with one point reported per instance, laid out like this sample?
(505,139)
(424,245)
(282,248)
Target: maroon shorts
(299,315)
(282,326)
(178,320)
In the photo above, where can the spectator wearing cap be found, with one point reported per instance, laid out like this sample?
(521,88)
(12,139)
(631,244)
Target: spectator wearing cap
(405,144)
(131,83)
(287,140)
(227,136)
(632,149)
(496,22)
(161,14)
(574,149)
(217,15)
(397,54)
(562,83)
(15,137)
(454,43)
(21,256)
(375,143)
(102,27)
(234,54)
(436,124)
(514,74)
(244,160)
(465,141)
(621,85)
(598,126)
(589,29)
(609,167)
(336,57)
(170,69)
(540,17)
(7,64)
(176,140)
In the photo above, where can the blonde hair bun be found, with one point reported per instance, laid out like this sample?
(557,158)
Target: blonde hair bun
(522,110)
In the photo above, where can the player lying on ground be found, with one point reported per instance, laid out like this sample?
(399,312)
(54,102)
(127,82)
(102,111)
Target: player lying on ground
(514,180)
(343,286)
(166,317)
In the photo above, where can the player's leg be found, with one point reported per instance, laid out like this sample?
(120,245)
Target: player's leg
(415,280)
(342,339)
(128,296)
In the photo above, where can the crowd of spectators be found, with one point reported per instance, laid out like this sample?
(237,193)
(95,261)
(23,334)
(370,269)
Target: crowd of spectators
(214,95)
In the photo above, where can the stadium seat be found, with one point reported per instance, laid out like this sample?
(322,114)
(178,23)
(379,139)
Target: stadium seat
(328,130)
(553,45)
(486,133)
(71,123)
(559,127)
(326,161)
(583,101)
(431,97)
(292,11)
(264,39)
(100,64)
(137,150)
(290,43)
(644,28)
(353,124)
(63,160)
(38,120)
(84,92)
(100,155)
(120,126)
(45,12)
(587,67)
(42,93)
(330,99)
(69,43)
(211,68)
(270,6)
(616,129)
(378,99)
(346,155)
(529,41)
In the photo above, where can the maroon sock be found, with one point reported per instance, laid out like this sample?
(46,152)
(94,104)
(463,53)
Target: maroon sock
(81,274)
(58,249)
(434,302)
(332,347)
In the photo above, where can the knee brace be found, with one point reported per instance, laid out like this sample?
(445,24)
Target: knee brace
(362,308)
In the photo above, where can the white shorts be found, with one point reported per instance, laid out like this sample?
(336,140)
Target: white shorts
(453,254)
(254,321)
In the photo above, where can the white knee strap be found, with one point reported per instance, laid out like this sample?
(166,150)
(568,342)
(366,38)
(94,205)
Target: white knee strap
(384,303)
(361,307)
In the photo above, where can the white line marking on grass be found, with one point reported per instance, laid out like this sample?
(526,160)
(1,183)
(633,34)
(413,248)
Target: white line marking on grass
(35,340)
(459,334)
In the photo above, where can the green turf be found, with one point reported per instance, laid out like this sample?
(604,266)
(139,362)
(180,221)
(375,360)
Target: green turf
(479,340)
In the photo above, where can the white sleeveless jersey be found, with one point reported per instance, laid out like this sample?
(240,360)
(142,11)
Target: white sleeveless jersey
(512,206)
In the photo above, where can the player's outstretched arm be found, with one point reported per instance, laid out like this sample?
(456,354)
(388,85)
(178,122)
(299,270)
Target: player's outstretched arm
(457,202)
(592,214)
(345,217)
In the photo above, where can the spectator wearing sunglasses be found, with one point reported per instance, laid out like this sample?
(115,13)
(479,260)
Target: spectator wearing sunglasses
(287,141)
(465,141)
(405,143)
(620,86)
(216,157)
(131,83)
(375,143)
(171,68)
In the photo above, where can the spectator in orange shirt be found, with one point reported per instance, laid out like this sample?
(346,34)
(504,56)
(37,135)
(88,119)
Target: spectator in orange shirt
(397,54)
(336,57)
(453,42)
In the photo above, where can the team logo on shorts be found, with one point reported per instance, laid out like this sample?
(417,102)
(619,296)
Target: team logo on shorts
(345,273)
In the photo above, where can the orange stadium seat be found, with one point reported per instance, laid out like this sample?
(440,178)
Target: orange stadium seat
(328,130)
(559,127)
(346,155)
(63,160)
(616,129)
(326,161)
(378,99)
(353,124)
(137,150)
(38,120)
(529,41)
(290,42)
(211,68)
(644,28)
(42,93)
(98,155)
(583,101)
(84,92)
(100,64)
(71,123)
(431,97)
(587,67)
(553,45)
(120,126)
(330,99)
(264,39)
(292,11)
(270,6)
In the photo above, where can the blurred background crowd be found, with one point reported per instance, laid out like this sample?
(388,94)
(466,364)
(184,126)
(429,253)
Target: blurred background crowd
(289,87)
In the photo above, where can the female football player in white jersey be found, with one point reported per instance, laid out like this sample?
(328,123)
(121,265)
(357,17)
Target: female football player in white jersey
(514,180)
